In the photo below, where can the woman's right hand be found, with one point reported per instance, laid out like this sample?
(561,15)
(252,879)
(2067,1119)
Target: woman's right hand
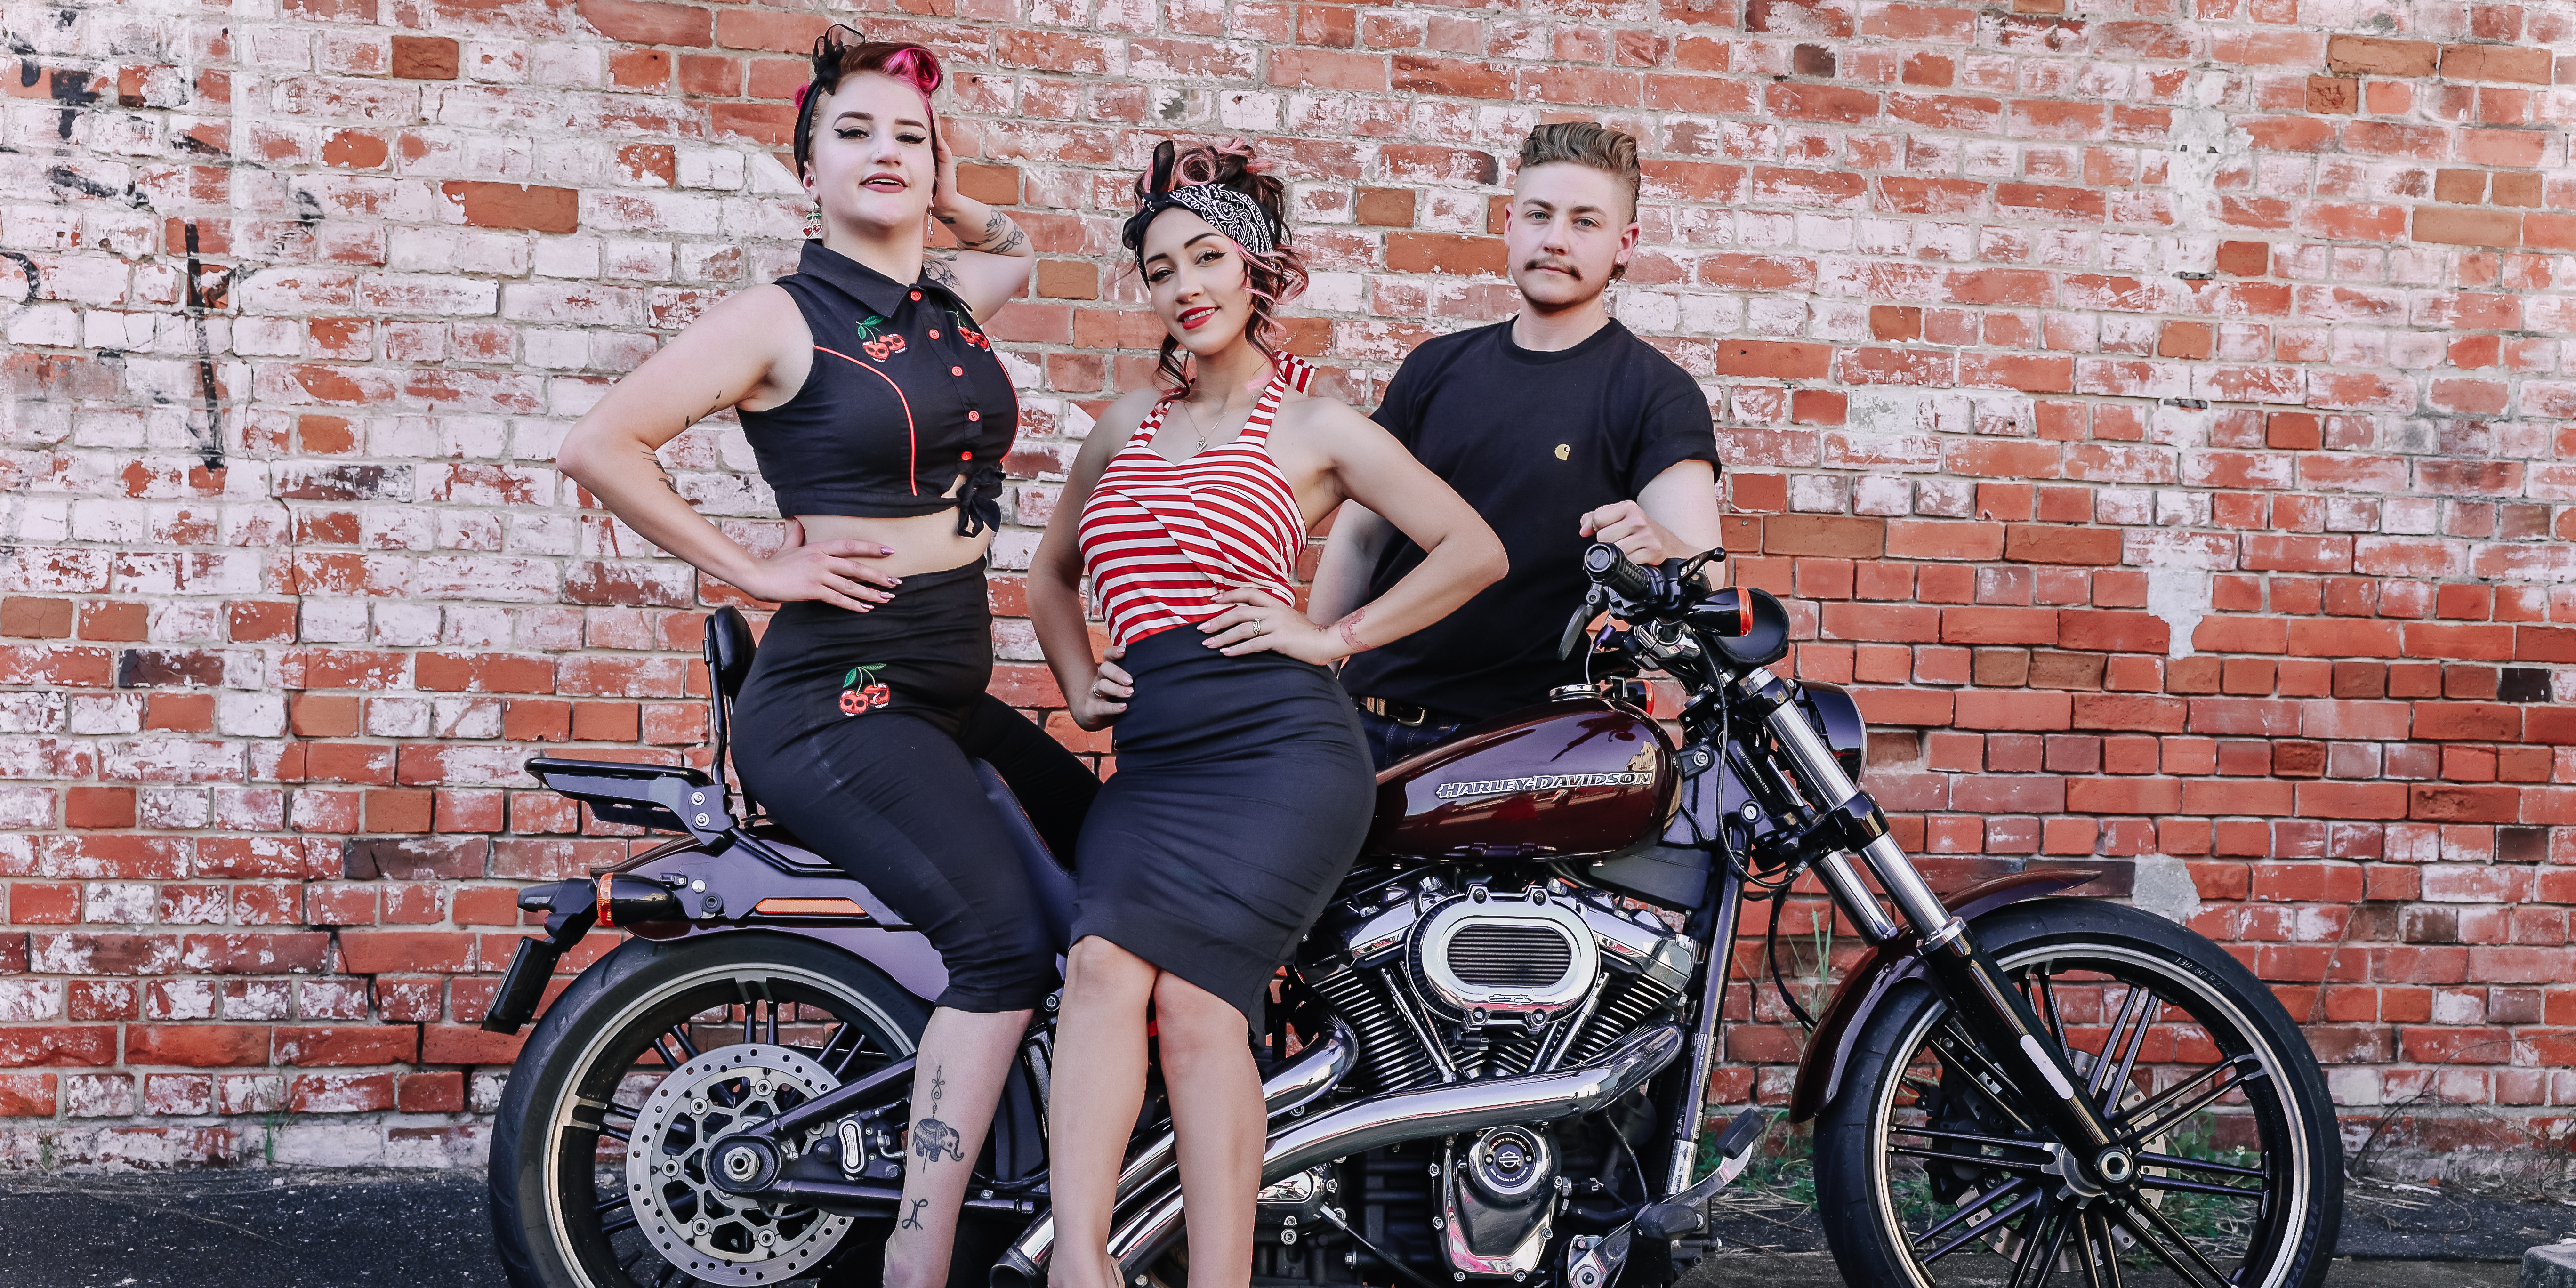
(836,572)
(1101,703)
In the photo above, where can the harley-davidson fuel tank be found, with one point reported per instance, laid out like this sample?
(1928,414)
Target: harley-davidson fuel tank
(1572,779)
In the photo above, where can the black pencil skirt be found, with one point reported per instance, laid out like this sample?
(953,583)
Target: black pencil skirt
(1242,794)
(859,732)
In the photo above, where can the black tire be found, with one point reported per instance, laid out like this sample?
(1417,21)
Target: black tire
(1877,1201)
(545,1159)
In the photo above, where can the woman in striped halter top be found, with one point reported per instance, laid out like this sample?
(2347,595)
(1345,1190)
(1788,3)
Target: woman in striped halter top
(1243,787)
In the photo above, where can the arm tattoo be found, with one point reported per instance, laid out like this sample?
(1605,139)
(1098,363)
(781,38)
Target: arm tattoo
(938,270)
(661,473)
(1350,629)
(656,457)
(1000,236)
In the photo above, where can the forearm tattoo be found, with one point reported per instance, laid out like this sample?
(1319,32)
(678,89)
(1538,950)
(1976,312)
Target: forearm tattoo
(931,1138)
(999,236)
(1350,630)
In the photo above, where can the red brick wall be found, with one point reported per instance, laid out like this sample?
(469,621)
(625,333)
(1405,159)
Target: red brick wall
(2162,414)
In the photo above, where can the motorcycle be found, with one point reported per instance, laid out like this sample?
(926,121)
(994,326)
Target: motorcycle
(1488,1062)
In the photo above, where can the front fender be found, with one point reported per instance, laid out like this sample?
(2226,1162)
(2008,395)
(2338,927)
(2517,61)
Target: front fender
(1820,1071)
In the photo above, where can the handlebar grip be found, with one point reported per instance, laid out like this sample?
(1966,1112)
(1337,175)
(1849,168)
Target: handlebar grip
(1609,567)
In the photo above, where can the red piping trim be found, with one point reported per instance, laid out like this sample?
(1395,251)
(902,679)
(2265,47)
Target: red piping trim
(911,436)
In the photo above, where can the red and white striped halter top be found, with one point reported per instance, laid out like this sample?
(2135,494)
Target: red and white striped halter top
(1161,541)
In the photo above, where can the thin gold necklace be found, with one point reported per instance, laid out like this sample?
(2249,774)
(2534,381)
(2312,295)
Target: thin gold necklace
(1194,425)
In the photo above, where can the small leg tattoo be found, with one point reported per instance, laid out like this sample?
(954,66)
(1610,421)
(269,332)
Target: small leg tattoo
(932,1138)
(913,1221)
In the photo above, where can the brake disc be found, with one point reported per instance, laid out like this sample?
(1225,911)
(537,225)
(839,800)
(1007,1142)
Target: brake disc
(710,1234)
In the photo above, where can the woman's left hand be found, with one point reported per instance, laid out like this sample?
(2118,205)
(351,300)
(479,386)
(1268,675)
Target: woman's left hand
(1259,623)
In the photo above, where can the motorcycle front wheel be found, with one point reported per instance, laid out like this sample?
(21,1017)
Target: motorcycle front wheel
(1933,1169)
(598,1177)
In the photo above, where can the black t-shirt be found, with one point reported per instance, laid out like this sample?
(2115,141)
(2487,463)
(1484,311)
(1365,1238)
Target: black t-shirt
(1533,440)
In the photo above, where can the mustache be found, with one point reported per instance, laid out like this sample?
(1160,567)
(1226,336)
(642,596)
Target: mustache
(1562,266)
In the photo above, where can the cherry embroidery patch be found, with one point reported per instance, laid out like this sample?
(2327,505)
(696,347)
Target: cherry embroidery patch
(879,347)
(862,692)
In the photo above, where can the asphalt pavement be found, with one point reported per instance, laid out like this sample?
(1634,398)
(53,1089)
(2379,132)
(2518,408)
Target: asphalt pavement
(294,1229)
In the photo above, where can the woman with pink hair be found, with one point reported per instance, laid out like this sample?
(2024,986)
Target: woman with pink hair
(879,415)
(1243,787)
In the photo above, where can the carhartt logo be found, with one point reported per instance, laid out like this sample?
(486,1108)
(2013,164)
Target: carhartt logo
(1562,449)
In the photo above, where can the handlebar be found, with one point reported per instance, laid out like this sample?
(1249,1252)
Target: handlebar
(1611,569)
(1656,593)
(1643,594)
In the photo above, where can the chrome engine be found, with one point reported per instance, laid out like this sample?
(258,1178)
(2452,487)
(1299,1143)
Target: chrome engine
(1449,983)
(1444,983)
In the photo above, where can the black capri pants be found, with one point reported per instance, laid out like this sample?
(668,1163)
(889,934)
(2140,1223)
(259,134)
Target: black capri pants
(858,731)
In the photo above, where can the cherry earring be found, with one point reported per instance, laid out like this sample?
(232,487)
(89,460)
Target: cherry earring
(814,223)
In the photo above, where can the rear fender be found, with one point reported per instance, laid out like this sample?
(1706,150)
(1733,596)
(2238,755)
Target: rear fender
(765,883)
(1820,1072)
(688,889)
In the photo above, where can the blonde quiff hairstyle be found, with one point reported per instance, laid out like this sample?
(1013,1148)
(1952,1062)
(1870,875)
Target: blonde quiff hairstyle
(1612,152)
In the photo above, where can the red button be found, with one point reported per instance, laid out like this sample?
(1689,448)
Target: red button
(916,295)
(974,415)
(957,371)
(934,333)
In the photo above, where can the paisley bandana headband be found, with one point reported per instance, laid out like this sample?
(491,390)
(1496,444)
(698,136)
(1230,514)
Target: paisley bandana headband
(1230,212)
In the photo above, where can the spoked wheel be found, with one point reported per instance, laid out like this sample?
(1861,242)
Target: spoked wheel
(1933,1169)
(600,1175)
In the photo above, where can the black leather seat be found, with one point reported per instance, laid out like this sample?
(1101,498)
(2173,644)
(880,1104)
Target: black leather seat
(728,652)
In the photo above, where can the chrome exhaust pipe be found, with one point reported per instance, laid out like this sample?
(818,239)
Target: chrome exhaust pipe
(1146,1229)
(1287,1093)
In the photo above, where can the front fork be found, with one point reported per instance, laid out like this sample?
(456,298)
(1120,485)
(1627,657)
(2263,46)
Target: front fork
(1993,1013)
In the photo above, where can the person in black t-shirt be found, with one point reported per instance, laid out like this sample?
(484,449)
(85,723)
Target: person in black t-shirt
(1560,426)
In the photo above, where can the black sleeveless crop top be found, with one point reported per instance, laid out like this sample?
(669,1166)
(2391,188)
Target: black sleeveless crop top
(905,411)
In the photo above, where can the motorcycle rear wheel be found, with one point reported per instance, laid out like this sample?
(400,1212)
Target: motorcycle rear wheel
(563,1212)
(1926,1176)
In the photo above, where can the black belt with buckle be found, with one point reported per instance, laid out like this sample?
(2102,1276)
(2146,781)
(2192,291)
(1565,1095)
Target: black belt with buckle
(1403,713)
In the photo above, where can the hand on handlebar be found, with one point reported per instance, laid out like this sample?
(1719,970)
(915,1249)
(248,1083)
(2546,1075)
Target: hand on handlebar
(1624,524)
(835,572)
